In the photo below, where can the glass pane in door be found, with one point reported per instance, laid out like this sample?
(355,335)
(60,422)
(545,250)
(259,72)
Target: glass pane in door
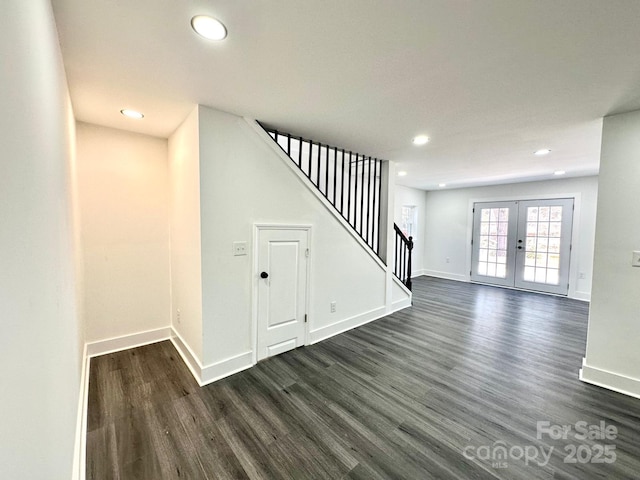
(542,265)
(493,239)
(494,229)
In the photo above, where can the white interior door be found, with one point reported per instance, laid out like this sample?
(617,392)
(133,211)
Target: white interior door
(523,244)
(282,290)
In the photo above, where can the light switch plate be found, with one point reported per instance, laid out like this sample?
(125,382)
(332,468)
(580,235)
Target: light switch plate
(239,248)
(635,262)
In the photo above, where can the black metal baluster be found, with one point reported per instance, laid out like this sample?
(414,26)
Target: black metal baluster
(404,262)
(355,197)
(379,197)
(300,154)
(368,199)
(318,166)
(362,199)
(397,255)
(289,145)
(374,240)
(401,260)
(342,186)
(326,172)
(400,255)
(349,193)
(310,160)
(335,174)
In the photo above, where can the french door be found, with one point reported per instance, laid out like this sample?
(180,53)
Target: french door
(523,244)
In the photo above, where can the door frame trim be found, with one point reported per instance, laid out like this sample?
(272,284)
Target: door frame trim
(575,230)
(257,229)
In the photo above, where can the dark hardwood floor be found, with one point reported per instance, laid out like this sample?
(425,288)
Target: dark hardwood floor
(428,392)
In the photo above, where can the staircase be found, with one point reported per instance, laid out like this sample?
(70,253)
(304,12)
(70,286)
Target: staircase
(352,184)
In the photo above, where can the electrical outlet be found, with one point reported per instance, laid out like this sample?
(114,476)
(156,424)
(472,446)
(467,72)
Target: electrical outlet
(178,315)
(582,276)
(239,248)
(447,259)
(333,307)
(635,260)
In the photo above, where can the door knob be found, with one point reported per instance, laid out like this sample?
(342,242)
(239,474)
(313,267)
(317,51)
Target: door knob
(519,247)
(519,241)
(264,275)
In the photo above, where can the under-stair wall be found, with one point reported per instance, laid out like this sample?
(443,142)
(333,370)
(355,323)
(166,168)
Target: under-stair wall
(244,180)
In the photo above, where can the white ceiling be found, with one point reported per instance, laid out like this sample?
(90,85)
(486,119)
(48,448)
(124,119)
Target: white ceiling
(490,81)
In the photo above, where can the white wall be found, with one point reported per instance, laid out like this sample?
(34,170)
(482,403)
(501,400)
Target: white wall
(186,277)
(124,210)
(417,198)
(41,334)
(613,354)
(243,182)
(448,225)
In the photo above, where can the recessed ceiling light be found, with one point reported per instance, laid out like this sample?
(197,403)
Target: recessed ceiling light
(208,27)
(542,151)
(442,185)
(131,113)
(402,173)
(559,172)
(420,140)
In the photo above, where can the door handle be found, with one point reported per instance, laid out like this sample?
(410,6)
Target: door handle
(519,247)
(264,275)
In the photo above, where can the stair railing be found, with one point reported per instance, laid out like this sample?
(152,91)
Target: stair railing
(403,249)
(351,182)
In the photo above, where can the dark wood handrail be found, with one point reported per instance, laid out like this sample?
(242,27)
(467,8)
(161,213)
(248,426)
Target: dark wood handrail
(401,233)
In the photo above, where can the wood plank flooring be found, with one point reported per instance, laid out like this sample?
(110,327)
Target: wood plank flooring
(425,393)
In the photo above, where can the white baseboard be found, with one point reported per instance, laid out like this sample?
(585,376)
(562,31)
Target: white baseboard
(400,304)
(446,275)
(342,326)
(584,296)
(79,471)
(419,273)
(226,367)
(125,342)
(610,380)
(188,357)
(214,371)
